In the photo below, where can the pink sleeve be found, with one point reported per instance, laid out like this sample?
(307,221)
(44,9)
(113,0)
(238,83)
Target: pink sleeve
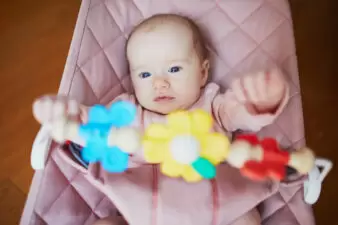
(234,115)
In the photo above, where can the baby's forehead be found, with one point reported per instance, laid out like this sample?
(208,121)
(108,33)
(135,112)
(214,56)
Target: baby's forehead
(156,28)
(162,20)
(161,35)
(157,48)
(166,23)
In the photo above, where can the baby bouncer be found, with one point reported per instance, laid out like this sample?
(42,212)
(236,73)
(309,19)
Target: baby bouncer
(244,36)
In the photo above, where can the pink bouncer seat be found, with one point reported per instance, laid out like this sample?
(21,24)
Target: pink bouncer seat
(243,36)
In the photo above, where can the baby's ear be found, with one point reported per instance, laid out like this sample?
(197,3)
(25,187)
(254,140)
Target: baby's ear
(205,72)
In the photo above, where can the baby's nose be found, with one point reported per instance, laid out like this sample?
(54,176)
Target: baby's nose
(161,83)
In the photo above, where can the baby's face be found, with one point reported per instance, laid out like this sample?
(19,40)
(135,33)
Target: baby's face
(166,72)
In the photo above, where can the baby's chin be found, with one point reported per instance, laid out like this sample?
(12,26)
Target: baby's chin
(168,106)
(165,109)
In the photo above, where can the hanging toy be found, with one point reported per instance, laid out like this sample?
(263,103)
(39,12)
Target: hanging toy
(264,159)
(185,147)
(109,137)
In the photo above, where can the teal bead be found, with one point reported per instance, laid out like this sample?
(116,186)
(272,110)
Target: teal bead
(206,169)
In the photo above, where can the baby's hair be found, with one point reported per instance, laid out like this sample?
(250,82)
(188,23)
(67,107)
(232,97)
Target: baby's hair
(152,22)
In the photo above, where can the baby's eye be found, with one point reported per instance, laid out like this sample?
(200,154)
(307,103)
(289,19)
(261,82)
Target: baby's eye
(145,74)
(174,69)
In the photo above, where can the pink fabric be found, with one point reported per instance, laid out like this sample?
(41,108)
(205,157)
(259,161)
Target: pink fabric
(244,36)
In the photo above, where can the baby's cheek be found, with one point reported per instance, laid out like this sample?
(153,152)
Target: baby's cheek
(141,87)
(141,94)
(191,94)
(136,84)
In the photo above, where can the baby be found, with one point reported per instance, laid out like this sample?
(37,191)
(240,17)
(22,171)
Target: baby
(169,69)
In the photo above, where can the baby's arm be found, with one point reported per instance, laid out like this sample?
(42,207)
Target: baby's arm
(252,102)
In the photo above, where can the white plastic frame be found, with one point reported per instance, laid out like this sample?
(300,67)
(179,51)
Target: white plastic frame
(313,185)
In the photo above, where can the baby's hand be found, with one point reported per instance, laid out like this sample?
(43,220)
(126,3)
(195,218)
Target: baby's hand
(262,92)
(58,114)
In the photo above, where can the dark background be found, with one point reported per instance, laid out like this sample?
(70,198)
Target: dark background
(316,33)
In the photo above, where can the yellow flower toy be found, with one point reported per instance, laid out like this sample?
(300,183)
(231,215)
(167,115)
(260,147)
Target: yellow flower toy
(185,146)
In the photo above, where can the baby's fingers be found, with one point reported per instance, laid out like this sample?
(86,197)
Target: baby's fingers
(250,89)
(48,108)
(244,89)
(261,86)
(277,85)
(236,87)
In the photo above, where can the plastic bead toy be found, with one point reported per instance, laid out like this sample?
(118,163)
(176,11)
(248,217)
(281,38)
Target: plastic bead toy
(185,146)
(107,136)
(263,159)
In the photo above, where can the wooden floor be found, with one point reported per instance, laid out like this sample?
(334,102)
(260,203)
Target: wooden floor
(34,41)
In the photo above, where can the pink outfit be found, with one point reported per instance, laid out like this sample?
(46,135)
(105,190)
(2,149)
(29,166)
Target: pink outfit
(145,196)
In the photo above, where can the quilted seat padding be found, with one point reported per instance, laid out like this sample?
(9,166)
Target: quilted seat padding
(244,36)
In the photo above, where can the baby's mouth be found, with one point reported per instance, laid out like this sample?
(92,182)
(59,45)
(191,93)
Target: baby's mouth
(163,99)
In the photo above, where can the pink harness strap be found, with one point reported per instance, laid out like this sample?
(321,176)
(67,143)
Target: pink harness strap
(215,201)
(155,196)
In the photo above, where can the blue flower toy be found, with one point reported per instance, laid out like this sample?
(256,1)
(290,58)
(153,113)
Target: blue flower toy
(109,139)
